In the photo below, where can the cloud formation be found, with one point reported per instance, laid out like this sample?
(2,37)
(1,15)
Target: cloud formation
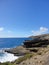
(1,29)
(40,31)
(43,29)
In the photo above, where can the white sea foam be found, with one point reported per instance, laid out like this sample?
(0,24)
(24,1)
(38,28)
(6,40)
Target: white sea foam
(7,57)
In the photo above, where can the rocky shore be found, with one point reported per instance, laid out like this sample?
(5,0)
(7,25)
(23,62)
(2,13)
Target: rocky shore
(18,51)
(34,52)
(37,41)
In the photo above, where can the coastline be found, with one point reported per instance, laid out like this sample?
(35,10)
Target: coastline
(11,55)
(7,57)
(36,54)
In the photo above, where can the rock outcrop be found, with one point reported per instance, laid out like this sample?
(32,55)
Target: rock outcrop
(18,51)
(38,41)
(43,36)
(38,47)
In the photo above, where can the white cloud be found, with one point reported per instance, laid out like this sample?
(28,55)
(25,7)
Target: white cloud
(1,29)
(43,29)
(40,31)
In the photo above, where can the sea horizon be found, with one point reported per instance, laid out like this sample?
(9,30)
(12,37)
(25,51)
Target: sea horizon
(11,42)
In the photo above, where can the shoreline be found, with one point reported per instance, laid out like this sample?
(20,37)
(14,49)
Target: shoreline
(34,52)
(12,55)
(8,57)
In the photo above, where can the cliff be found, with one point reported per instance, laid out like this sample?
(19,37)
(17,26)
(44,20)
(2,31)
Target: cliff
(33,52)
(37,41)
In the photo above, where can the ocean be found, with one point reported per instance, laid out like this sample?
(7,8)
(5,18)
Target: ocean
(11,42)
(6,43)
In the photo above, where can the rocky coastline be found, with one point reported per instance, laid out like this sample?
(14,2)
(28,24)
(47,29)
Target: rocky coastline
(34,52)
(37,41)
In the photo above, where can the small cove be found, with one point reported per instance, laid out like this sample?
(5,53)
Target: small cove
(7,43)
(7,57)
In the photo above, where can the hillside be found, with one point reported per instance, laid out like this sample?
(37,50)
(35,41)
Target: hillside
(42,36)
(33,52)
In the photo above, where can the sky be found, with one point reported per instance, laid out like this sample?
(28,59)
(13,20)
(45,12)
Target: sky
(23,18)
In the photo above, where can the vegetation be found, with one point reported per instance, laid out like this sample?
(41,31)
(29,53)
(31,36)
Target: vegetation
(27,56)
(7,63)
(39,48)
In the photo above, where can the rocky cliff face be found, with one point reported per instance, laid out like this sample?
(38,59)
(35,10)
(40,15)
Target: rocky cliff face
(38,48)
(38,41)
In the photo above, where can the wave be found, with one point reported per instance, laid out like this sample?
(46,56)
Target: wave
(7,57)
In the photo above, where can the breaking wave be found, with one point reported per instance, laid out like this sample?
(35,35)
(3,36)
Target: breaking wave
(7,57)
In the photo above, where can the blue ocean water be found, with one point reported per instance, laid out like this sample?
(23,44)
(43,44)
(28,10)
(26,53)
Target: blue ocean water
(6,43)
(11,42)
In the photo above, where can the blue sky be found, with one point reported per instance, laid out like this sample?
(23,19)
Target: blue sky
(23,18)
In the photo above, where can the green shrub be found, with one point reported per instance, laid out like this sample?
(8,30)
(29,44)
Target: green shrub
(6,63)
(27,56)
